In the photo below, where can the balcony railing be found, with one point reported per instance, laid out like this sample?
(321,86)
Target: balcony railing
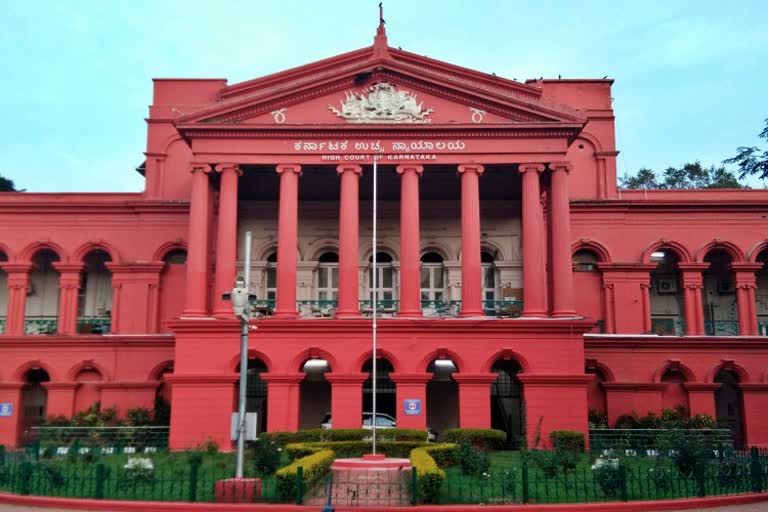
(503,308)
(317,308)
(94,325)
(668,326)
(721,327)
(40,325)
(263,308)
(384,307)
(440,308)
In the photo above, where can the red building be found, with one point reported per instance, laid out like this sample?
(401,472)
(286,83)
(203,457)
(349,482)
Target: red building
(518,284)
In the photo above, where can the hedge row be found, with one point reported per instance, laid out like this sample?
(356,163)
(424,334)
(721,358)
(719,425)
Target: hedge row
(344,449)
(426,460)
(569,440)
(356,434)
(484,438)
(314,467)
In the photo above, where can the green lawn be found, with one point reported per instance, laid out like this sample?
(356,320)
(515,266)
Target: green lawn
(647,478)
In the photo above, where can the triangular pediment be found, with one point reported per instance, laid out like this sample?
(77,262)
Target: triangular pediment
(393,88)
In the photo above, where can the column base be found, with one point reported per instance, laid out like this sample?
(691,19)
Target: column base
(534,314)
(564,314)
(192,313)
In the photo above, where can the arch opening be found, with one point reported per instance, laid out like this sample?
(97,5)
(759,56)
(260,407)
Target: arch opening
(729,405)
(666,296)
(385,388)
(42,305)
(314,394)
(587,279)
(674,396)
(761,293)
(173,280)
(94,299)
(720,308)
(433,284)
(256,392)
(442,396)
(34,401)
(507,401)
(3,293)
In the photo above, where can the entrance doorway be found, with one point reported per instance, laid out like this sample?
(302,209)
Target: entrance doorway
(728,406)
(385,388)
(507,401)
(34,401)
(315,394)
(442,396)
(255,392)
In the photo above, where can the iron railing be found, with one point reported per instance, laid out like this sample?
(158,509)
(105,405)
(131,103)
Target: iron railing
(503,308)
(440,308)
(642,442)
(94,325)
(105,440)
(40,325)
(721,327)
(668,326)
(384,307)
(317,308)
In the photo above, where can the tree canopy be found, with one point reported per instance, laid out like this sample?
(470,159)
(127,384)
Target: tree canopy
(7,185)
(751,159)
(691,175)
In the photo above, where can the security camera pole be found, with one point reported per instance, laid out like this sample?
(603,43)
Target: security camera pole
(241,305)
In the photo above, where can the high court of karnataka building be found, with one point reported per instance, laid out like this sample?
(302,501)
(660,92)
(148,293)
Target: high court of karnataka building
(518,285)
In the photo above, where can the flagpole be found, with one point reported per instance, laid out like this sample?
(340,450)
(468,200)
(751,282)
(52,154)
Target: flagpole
(375,305)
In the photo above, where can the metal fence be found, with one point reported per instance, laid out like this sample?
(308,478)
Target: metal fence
(106,440)
(646,442)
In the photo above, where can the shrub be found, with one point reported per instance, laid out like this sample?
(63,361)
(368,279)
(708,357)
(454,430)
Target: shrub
(484,438)
(597,419)
(661,476)
(568,440)
(314,467)
(430,477)
(138,470)
(266,456)
(139,416)
(473,461)
(354,448)
(346,434)
(610,474)
(209,446)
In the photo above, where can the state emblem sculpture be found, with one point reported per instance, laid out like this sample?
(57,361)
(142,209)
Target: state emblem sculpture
(382,104)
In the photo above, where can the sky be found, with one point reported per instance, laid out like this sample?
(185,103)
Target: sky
(75,80)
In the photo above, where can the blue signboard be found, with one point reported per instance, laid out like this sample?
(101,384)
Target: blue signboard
(412,407)
(6,409)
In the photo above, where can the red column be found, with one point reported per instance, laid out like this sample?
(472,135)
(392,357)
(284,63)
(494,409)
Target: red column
(346,399)
(475,399)
(694,308)
(534,255)
(18,284)
(201,409)
(196,304)
(69,285)
(226,239)
(410,287)
(608,303)
(287,241)
(645,290)
(560,223)
(411,386)
(746,283)
(471,269)
(349,242)
(282,401)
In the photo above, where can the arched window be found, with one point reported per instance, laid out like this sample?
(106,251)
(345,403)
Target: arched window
(385,280)
(589,283)
(255,392)
(42,307)
(328,276)
(270,292)
(34,399)
(507,400)
(585,261)
(442,396)
(432,277)
(729,405)
(761,294)
(172,286)
(666,296)
(489,277)
(94,300)
(3,293)
(720,311)
(315,395)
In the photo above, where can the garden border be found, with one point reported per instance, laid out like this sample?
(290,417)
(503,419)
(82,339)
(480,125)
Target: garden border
(175,506)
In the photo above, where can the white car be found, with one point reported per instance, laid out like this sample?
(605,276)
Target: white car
(383,421)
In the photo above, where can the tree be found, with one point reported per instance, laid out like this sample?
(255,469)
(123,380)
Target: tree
(7,185)
(691,175)
(750,160)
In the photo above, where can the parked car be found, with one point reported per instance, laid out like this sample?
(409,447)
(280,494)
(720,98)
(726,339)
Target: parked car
(383,421)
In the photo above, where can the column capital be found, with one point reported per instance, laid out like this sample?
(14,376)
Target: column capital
(530,167)
(476,168)
(561,166)
(226,167)
(283,378)
(281,168)
(410,378)
(747,268)
(404,168)
(68,268)
(195,167)
(353,379)
(16,268)
(342,168)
